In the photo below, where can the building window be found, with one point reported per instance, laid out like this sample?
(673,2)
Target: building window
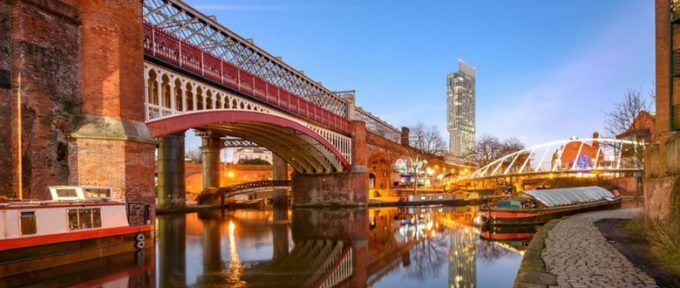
(28,224)
(85,218)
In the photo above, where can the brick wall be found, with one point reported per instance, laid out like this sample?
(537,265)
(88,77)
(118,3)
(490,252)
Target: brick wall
(37,41)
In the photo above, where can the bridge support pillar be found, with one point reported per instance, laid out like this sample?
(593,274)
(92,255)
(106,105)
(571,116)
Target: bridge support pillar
(279,172)
(170,165)
(212,144)
(109,143)
(337,189)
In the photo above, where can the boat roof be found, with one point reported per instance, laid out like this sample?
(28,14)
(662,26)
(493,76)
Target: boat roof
(568,196)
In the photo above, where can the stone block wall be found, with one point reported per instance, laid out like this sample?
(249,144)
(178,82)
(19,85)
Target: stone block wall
(337,189)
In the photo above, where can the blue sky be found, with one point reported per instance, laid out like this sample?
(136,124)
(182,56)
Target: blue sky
(546,69)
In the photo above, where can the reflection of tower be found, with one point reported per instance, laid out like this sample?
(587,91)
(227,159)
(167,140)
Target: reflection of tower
(463,258)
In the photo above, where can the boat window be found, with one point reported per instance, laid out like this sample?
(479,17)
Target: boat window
(97,192)
(28,223)
(85,218)
(67,192)
(72,219)
(97,217)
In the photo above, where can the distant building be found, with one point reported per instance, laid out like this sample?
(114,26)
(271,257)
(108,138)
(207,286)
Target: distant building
(461,110)
(642,128)
(577,154)
(249,153)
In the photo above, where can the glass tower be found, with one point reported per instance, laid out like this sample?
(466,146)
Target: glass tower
(461,110)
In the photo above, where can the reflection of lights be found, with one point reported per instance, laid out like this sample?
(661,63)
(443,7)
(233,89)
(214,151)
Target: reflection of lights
(231,228)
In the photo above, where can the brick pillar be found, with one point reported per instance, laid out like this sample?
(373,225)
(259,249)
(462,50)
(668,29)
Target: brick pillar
(212,144)
(405,137)
(279,172)
(111,145)
(359,148)
(170,163)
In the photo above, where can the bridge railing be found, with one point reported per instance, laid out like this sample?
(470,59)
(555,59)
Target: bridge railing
(378,126)
(173,50)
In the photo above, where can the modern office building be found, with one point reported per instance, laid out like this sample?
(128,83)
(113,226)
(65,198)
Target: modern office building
(461,110)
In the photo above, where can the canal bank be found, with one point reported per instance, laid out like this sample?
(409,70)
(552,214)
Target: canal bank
(572,252)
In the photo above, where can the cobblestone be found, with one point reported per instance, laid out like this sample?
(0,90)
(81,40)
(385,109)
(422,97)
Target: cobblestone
(580,256)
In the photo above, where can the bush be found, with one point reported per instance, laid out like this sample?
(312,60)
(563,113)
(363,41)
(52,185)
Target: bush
(255,161)
(664,239)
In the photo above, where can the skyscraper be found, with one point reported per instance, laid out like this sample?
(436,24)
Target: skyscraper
(461,110)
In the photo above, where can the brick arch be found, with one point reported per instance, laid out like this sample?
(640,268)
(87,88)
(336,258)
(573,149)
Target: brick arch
(307,151)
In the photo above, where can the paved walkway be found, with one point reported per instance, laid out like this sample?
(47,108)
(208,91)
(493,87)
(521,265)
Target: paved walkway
(577,253)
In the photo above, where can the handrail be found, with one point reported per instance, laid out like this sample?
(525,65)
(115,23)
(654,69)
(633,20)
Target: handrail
(167,47)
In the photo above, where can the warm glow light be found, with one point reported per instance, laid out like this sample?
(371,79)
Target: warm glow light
(231,227)
(230,174)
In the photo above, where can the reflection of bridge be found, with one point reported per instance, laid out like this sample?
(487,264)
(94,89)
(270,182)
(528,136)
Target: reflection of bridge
(568,158)
(311,263)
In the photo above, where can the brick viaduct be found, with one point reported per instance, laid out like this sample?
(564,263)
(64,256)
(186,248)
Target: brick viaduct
(71,87)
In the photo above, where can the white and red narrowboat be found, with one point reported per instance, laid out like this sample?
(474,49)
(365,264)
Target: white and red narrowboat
(540,206)
(80,223)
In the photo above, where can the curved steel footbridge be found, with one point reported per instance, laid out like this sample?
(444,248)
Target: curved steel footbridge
(589,157)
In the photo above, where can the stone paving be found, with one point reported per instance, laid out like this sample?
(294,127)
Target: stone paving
(577,253)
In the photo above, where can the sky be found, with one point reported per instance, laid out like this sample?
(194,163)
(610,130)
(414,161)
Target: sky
(546,70)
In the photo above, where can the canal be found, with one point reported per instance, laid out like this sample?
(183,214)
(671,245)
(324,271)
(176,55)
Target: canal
(377,247)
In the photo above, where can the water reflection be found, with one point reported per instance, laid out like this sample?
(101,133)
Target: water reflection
(382,247)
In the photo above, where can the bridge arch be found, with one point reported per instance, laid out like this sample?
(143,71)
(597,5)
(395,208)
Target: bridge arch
(599,155)
(304,149)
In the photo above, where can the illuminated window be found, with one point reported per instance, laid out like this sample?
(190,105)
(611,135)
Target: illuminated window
(28,225)
(85,218)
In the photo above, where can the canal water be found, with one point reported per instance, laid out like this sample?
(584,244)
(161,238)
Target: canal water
(377,247)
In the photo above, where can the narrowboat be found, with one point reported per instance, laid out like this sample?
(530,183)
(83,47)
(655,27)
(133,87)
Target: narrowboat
(80,223)
(540,206)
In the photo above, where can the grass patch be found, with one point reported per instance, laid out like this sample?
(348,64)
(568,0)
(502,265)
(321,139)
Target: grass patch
(635,229)
(664,239)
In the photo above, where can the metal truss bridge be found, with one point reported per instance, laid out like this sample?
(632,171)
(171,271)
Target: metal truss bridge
(199,74)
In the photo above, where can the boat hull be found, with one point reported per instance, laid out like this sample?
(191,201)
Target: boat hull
(69,248)
(537,216)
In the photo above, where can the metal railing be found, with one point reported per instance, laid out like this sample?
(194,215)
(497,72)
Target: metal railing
(205,33)
(173,50)
(378,126)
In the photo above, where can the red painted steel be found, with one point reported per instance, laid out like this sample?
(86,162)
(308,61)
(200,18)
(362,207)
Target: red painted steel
(31,241)
(169,48)
(168,125)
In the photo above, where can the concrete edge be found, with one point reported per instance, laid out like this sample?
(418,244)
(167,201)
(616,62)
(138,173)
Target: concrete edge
(532,271)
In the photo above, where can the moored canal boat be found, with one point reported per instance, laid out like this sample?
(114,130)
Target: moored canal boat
(80,223)
(540,206)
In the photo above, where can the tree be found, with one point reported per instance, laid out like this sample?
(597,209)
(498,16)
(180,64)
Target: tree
(623,114)
(194,155)
(426,143)
(624,118)
(490,148)
(255,161)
